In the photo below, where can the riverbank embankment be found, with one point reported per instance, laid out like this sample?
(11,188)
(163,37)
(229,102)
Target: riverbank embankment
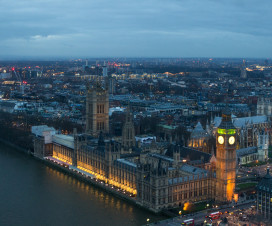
(92,181)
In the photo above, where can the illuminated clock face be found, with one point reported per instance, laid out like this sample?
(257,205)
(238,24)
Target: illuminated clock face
(231,140)
(220,140)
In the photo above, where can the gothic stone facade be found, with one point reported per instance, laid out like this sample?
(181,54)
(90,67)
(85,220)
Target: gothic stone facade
(97,110)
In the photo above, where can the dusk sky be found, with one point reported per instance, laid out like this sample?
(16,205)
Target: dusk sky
(138,28)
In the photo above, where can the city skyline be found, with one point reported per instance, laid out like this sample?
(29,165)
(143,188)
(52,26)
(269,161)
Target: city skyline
(176,136)
(135,29)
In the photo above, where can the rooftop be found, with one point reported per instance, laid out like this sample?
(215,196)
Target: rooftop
(163,157)
(38,130)
(190,154)
(198,131)
(124,161)
(192,169)
(246,151)
(242,122)
(64,140)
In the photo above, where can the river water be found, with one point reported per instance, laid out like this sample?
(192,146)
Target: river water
(32,193)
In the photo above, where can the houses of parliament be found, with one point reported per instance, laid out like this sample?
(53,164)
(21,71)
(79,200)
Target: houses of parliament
(156,177)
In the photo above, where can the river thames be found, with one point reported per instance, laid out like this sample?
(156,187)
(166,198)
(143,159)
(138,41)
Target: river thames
(32,193)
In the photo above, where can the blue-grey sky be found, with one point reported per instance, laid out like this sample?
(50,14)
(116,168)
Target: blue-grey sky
(136,28)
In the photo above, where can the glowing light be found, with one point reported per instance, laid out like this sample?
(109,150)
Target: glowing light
(186,206)
(112,182)
(226,131)
(230,190)
(236,196)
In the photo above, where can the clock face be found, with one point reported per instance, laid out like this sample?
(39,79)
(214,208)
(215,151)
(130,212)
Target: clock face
(231,140)
(220,140)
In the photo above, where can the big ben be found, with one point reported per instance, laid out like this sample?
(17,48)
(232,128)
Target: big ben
(225,158)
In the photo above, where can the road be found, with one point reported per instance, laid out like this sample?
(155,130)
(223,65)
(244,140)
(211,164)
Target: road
(201,216)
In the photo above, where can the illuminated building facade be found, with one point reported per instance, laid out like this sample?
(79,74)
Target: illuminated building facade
(225,158)
(199,139)
(160,177)
(104,160)
(164,182)
(63,148)
(158,181)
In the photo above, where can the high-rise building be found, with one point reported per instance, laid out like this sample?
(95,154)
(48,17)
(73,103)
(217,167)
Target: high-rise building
(97,110)
(243,70)
(86,66)
(111,84)
(105,71)
(225,158)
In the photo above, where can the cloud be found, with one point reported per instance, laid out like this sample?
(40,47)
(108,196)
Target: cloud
(46,37)
(136,28)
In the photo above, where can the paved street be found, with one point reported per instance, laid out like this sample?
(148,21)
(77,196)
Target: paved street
(232,213)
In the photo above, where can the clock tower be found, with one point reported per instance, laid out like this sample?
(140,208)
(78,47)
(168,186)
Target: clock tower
(225,158)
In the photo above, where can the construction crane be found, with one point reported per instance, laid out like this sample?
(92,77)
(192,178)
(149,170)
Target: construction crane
(22,83)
